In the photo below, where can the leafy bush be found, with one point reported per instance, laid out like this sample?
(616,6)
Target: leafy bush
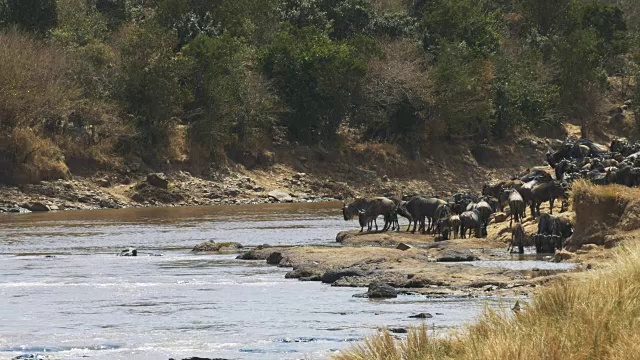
(230,105)
(37,16)
(462,91)
(456,21)
(342,19)
(524,94)
(152,83)
(317,78)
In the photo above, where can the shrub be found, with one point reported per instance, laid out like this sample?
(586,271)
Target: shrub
(317,78)
(37,16)
(455,21)
(152,83)
(462,85)
(524,93)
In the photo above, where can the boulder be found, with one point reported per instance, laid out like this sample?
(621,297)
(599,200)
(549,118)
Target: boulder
(280,195)
(455,255)
(421,316)
(500,217)
(378,290)
(129,252)
(403,247)
(35,206)
(158,180)
(306,271)
(334,275)
(274,258)
(213,246)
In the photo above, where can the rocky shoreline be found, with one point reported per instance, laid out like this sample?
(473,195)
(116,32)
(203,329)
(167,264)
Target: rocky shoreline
(411,264)
(159,189)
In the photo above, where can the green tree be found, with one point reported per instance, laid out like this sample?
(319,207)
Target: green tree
(462,90)
(152,83)
(467,21)
(37,16)
(317,78)
(524,92)
(548,17)
(579,76)
(608,22)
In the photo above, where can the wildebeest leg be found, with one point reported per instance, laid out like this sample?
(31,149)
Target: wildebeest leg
(462,231)
(375,222)
(551,206)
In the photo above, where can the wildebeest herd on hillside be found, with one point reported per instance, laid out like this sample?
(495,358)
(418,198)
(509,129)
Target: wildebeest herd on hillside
(466,213)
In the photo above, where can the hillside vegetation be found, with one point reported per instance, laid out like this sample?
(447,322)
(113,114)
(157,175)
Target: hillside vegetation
(92,84)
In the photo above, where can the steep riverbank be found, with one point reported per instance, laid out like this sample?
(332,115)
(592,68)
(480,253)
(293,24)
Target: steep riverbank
(300,174)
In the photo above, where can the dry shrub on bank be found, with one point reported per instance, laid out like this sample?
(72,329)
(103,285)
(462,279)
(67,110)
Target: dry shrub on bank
(35,80)
(33,158)
(589,316)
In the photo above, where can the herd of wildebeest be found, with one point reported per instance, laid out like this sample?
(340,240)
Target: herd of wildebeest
(467,212)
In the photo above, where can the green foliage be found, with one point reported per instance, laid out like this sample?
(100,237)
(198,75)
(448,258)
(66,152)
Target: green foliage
(524,95)
(548,17)
(151,82)
(317,78)
(463,96)
(579,75)
(38,16)
(609,23)
(456,21)
(79,23)
(225,91)
(342,19)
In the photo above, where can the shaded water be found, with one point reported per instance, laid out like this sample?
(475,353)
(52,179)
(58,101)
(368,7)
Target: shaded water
(63,291)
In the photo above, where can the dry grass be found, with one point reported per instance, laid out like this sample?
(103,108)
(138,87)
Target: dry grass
(604,213)
(35,81)
(591,316)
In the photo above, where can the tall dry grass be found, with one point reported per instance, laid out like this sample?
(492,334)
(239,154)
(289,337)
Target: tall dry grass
(594,315)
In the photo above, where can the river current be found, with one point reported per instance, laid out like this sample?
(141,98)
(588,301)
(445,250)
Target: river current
(65,294)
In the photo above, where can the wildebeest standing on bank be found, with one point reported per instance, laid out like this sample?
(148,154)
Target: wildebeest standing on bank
(377,206)
(518,237)
(353,209)
(470,220)
(516,206)
(548,191)
(454,222)
(420,208)
(484,211)
(552,231)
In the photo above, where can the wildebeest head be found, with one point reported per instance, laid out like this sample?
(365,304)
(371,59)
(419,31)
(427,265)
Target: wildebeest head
(362,218)
(345,211)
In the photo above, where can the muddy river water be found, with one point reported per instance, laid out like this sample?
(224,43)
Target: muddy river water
(64,294)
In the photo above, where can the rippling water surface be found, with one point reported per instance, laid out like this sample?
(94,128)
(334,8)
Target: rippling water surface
(65,293)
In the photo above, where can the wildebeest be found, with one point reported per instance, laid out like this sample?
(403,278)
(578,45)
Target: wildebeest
(516,207)
(401,210)
(484,211)
(422,208)
(461,200)
(518,237)
(470,220)
(353,209)
(454,222)
(552,231)
(377,206)
(548,191)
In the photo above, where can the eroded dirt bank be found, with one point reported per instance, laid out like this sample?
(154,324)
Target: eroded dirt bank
(289,175)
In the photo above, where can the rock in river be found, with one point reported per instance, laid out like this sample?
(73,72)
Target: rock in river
(378,290)
(456,255)
(274,258)
(129,252)
(332,276)
(214,246)
(421,316)
(35,206)
(280,196)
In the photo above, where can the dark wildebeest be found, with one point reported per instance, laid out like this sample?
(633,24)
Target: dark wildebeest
(484,211)
(470,220)
(377,206)
(552,231)
(454,221)
(422,208)
(461,200)
(516,207)
(549,191)
(401,210)
(518,237)
(353,208)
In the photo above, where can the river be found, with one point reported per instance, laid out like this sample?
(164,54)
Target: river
(64,294)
